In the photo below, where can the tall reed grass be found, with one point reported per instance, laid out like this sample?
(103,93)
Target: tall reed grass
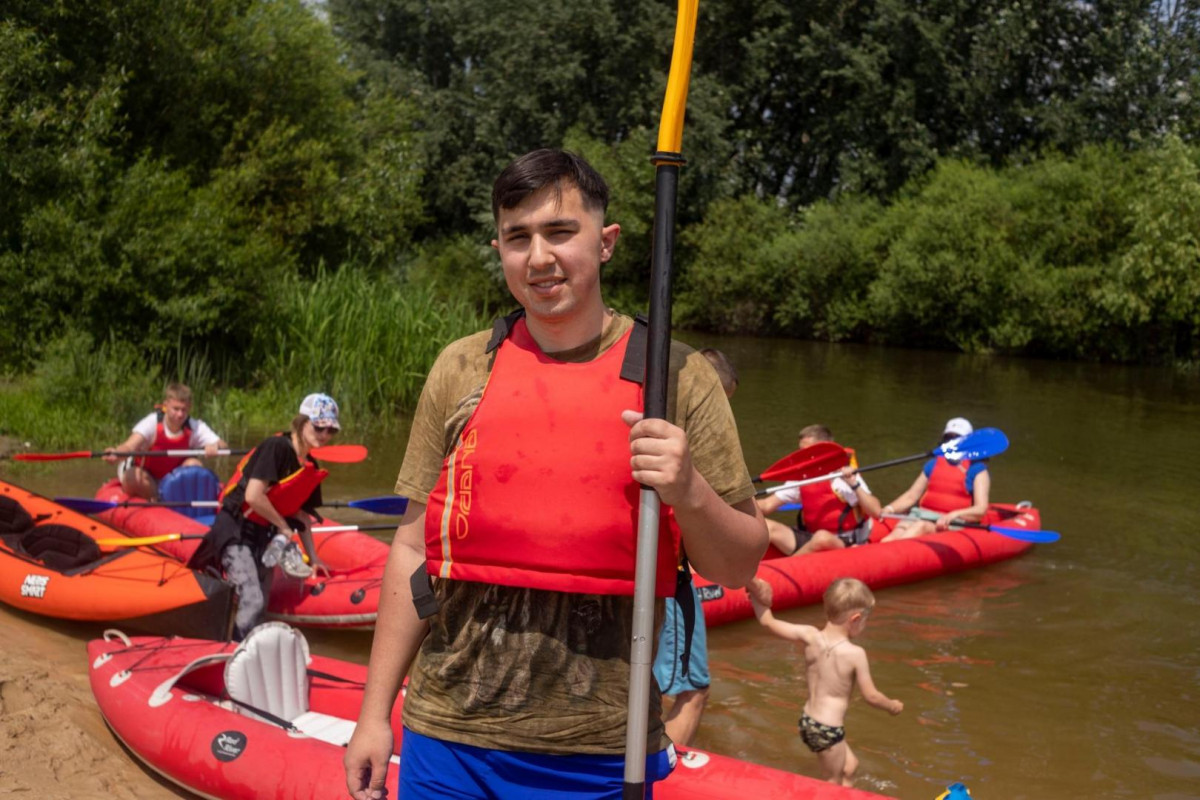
(369,341)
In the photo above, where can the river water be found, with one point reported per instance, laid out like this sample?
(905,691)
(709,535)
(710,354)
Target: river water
(1070,672)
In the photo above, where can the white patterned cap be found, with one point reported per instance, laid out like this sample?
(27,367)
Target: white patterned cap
(320,408)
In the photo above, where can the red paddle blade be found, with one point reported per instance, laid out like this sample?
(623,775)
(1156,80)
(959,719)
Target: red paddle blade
(340,453)
(51,456)
(815,460)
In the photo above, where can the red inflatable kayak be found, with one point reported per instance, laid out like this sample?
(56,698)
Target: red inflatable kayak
(267,719)
(802,580)
(51,564)
(348,599)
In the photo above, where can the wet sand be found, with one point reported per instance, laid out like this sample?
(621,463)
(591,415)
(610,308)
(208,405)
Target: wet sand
(53,741)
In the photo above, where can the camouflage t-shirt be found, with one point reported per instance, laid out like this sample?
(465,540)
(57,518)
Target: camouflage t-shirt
(529,669)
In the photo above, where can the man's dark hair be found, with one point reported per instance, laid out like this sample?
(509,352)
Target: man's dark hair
(535,171)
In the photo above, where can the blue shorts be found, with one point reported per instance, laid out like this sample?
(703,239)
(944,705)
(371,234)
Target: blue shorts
(668,667)
(433,768)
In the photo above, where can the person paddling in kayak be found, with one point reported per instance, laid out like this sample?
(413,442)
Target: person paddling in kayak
(833,514)
(272,497)
(834,665)
(943,492)
(523,468)
(169,427)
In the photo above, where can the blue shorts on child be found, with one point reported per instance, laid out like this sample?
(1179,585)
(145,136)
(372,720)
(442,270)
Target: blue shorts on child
(434,768)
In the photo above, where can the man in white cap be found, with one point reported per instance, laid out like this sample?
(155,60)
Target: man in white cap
(945,491)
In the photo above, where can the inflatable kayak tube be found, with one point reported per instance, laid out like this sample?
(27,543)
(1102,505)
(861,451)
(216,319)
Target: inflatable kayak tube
(802,580)
(348,599)
(268,719)
(50,564)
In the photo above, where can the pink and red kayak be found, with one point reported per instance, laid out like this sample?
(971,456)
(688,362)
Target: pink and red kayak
(349,599)
(802,580)
(267,719)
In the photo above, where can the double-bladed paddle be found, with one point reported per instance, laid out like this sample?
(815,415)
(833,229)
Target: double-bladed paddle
(141,541)
(667,159)
(983,443)
(333,453)
(86,505)
(816,459)
(1024,534)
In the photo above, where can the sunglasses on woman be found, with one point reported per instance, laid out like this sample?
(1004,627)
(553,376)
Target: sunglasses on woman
(330,429)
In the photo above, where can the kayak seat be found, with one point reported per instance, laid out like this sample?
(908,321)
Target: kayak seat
(269,672)
(60,547)
(13,516)
(185,484)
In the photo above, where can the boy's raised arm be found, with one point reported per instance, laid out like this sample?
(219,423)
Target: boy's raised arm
(760,600)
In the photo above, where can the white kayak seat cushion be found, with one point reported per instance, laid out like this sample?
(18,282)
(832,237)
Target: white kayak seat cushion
(269,672)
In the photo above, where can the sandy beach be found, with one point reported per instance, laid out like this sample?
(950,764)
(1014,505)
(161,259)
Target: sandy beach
(53,741)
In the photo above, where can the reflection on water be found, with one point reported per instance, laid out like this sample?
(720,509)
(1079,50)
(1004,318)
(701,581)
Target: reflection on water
(1070,672)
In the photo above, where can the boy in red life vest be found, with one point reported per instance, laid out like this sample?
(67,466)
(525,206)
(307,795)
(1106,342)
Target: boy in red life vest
(171,427)
(522,469)
(945,491)
(834,514)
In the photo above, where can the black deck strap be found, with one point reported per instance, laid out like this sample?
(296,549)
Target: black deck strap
(502,327)
(267,715)
(685,598)
(633,367)
(422,592)
(316,673)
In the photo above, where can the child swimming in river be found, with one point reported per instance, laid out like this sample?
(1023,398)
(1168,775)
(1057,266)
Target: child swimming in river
(833,666)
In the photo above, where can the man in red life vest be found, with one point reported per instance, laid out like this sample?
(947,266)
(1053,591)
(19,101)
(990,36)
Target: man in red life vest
(834,514)
(943,492)
(170,427)
(522,469)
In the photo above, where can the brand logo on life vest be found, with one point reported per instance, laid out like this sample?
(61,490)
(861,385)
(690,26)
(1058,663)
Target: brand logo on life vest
(35,585)
(228,745)
(707,593)
(464,480)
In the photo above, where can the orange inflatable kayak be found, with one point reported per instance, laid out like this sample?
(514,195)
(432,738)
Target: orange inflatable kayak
(51,564)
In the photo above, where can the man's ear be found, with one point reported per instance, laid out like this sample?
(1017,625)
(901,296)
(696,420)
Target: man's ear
(608,241)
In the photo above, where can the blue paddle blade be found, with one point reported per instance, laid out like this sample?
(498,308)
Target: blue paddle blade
(85,505)
(981,444)
(1041,537)
(381,505)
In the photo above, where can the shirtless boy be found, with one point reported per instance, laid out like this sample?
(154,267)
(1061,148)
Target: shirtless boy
(834,665)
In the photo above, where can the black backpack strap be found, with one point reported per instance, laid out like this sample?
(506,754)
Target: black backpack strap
(633,366)
(685,598)
(502,327)
(422,592)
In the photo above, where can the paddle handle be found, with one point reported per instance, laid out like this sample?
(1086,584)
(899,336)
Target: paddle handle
(121,454)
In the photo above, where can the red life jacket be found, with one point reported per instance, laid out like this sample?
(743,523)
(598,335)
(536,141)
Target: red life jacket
(538,490)
(825,510)
(288,495)
(159,466)
(947,489)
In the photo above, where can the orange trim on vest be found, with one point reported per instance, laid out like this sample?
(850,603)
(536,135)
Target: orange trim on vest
(947,489)
(288,495)
(538,490)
